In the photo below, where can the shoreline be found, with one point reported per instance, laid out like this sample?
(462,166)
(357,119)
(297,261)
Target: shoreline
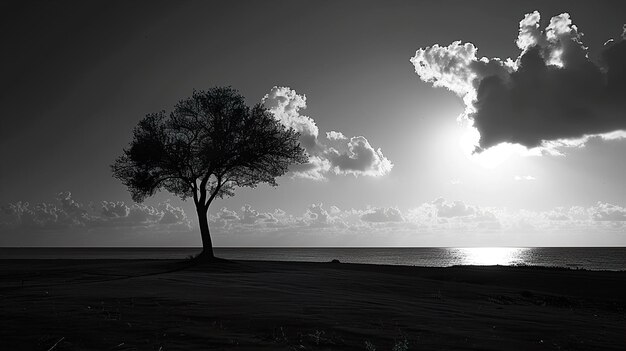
(182,260)
(278,305)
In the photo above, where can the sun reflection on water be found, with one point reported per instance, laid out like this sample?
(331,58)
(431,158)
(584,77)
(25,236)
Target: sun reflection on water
(489,256)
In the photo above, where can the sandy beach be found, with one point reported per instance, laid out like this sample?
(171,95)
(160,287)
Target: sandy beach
(253,305)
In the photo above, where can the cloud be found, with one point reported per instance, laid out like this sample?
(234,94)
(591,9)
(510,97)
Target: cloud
(454,216)
(286,104)
(527,177)
(222,218)
(247,218)
(316,169)
(360,159)
(550,94)
(66,213)
(227,215)
(453,209)
(250,220)
(172,215)
(249,215)
(383,214)
(556,215)
(342,156)
(436,216)
(332,135)
(252,216)
(114,209)
(43,215)
(606,212)
(316,215)
(439,217)
(67,221)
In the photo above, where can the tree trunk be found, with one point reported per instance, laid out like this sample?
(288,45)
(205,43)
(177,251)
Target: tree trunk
(207,245)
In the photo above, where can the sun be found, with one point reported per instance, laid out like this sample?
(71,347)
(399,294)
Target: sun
(494,156)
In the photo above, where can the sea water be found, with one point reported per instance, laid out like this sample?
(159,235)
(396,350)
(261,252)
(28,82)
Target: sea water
(592,258)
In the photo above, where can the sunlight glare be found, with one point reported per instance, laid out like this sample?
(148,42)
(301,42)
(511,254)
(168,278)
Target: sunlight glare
(493,156)
(489,256)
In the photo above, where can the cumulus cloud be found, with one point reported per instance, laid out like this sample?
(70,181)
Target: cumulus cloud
(44,222)
(247,217)
(63,213)
(452,209)
(223,217)
(454,216)
(437,217)
(66,213)
(441,217)
(114,209)
(452,221)
(557,214)
(252,216)
(526,177)
(316,169)
(226,214)
(606,212)
(339,155)
(172,214)
(360,159)
(550,94)
(383,214)
(318,216)
(286,104)
(332,135)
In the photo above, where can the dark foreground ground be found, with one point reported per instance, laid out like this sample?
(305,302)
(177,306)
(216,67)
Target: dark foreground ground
(248,305)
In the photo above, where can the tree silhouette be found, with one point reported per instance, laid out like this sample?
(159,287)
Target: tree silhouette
(209,144)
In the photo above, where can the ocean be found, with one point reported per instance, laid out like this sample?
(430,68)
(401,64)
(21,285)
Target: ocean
(591,258)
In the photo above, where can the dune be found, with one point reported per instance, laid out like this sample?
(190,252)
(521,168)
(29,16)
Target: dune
(256,305)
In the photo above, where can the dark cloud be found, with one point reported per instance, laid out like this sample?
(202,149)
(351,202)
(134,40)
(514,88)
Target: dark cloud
(551,92)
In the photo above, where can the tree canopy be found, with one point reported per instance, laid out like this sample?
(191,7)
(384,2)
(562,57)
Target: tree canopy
(209,144)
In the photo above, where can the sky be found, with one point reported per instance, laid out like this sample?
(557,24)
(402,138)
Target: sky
(427,123)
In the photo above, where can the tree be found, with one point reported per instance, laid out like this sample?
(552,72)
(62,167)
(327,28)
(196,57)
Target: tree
(209,144)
